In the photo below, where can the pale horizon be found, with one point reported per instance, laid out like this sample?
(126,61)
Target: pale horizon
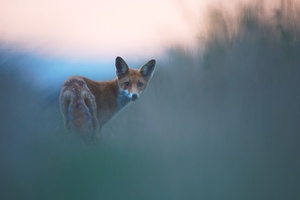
(95,28)
(103,29)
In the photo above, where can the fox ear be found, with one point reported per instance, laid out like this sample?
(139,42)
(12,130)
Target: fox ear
(147,69)
(121,66)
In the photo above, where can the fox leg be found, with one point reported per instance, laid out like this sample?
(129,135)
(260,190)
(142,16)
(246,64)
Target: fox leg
(79,109)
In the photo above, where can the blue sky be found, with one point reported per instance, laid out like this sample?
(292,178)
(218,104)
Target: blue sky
(73,37)
(83,37)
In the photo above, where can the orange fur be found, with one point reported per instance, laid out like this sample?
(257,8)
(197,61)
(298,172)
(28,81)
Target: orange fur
(87,105)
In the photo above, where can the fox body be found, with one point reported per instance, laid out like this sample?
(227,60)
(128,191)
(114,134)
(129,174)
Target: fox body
(87,105)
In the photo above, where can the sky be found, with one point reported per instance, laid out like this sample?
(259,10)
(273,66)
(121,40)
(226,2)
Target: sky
(88,33)
(100,28)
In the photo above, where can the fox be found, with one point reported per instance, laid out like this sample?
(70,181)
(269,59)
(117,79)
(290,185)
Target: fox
(86,105)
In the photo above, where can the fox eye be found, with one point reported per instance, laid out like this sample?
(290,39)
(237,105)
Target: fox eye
(127,83)
(140,84)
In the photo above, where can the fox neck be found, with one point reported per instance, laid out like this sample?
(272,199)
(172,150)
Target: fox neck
(122,98)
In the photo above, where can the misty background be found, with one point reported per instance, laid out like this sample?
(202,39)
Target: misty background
(219,121)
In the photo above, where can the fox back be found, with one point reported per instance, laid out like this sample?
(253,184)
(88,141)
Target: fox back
(87,105)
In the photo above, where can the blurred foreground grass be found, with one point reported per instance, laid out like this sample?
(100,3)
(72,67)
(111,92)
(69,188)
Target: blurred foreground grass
(222,123)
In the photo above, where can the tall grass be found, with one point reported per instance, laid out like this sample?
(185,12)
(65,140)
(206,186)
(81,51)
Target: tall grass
(215,124)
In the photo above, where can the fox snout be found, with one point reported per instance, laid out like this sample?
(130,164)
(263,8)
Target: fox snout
(134,97)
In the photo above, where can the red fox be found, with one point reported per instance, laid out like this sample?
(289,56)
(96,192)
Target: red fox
(87,105)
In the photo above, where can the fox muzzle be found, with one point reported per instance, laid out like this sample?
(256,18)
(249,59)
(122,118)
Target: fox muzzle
(134,97)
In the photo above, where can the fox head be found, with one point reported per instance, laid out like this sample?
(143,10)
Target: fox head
(132,81)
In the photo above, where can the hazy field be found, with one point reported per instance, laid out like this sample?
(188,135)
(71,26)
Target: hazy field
(221,122)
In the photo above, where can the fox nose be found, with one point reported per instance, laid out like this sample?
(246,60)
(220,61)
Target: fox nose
(134,97)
